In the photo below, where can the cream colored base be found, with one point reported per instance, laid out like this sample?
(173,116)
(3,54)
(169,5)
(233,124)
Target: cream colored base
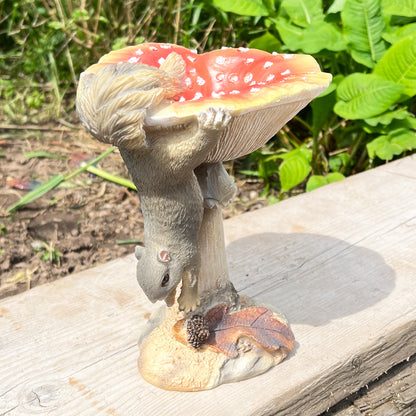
(171,365)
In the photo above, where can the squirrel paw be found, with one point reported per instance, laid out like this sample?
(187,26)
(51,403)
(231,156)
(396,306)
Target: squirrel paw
(214,119)
(188,301)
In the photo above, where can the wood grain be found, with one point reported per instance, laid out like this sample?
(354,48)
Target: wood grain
(393,394)
(339,262)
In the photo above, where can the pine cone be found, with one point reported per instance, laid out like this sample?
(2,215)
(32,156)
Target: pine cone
(197,331)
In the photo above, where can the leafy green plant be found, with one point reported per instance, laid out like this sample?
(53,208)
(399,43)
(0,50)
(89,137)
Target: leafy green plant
(46,44)
(363,119)
(366,115)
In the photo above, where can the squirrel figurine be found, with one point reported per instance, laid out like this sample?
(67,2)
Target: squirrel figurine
(112,104)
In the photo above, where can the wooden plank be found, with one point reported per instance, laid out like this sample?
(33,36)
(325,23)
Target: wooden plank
(338,261)
(394,394)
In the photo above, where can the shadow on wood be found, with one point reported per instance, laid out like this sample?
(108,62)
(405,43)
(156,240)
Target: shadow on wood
(328,277)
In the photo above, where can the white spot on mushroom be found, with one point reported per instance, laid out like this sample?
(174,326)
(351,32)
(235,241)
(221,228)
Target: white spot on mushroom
(235,92)
(194,51)
(252,83)
(287,72)
(197,96)
(233,78)
(274,53)
(139,52)
(200,81)
(120,62)
(287,55)
(261,83)
(191,58)
(192,71)
(243,49)
(182,99)
(248,77)
(133,59)
(217,94)
(267,64)
(254,89)
(225,47)
(270,77)
(220,60)
(188,82)
(249,60)
(153,48)
(161,60)
(166,46)
(304,78)
(220,76)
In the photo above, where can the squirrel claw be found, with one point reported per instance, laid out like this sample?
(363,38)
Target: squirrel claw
(188,302)
(214,119)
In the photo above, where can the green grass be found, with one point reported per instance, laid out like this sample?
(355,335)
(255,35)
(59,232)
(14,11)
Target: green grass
(45,44)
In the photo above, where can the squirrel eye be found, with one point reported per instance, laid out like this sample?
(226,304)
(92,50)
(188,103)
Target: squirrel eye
(165,280)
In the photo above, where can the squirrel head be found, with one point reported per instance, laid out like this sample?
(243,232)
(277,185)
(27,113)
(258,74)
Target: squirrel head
(157,273)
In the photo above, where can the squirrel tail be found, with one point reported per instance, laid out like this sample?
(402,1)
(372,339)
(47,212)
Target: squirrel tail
(112,102)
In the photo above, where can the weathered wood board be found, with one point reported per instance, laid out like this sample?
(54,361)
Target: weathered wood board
(393,394)
(339,261)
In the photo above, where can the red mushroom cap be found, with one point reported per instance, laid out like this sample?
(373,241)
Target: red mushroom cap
(261,91)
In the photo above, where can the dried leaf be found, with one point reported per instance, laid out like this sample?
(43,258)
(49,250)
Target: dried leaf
(257,323)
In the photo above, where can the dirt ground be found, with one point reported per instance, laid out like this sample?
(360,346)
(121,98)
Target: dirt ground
(82,223)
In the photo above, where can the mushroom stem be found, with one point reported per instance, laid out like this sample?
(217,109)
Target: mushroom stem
(213,273)
(218,189)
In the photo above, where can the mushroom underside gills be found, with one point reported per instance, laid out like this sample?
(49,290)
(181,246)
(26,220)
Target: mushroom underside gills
(256,127)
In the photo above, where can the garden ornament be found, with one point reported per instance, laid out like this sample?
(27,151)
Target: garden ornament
(175,117)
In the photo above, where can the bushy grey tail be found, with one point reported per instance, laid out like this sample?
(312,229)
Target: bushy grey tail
(112,102)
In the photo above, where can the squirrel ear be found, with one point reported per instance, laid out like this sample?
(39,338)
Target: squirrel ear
(138,252)
(163,256)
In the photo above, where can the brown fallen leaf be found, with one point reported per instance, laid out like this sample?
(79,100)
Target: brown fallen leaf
(257,323)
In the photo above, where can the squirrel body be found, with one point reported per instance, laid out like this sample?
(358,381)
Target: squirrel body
(112,105)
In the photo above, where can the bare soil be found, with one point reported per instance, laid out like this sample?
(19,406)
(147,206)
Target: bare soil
(82,223)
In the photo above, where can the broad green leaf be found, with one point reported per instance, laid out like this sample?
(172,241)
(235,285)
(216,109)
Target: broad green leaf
(317,181)
(393,144)
(302,151)
(321,111)
(388,117)
(383,148)
(321,35)
(363,28)
(266,42)
(243,7)
(312,39)
(406,139)
(290,34)
(399,64)
(365,95)
(400,7)
(336,6)
(400,33)
(339,161)
(293,171)
(302,12)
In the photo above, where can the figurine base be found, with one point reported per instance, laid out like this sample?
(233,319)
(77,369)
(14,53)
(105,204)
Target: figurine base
(171,365)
